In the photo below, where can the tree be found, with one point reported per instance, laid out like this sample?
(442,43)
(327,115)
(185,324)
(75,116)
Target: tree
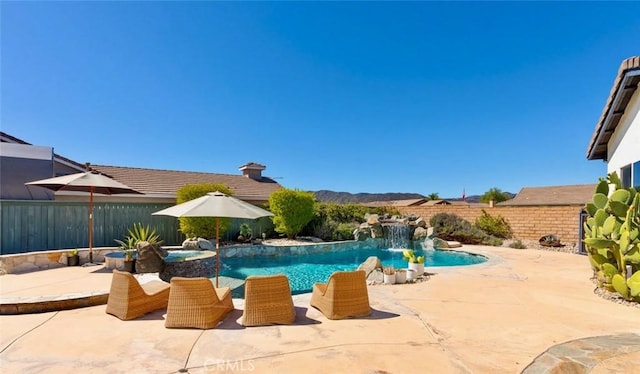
(494,194)
(292,210)
(204,227)
(433,196)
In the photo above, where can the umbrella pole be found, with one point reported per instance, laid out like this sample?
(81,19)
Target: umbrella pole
(217,249)
(91,225)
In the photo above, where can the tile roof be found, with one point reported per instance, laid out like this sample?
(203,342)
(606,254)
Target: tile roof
(167,182)
(578,194)
(624,86)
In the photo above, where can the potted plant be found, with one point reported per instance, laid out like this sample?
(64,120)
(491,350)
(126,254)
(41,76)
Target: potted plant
(416,263)
(137,233)
(411,275)
(129,260)
(389,276)
(129,248)
(72,258)
(401,276)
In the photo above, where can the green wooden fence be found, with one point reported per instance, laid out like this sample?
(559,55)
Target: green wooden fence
(29,226)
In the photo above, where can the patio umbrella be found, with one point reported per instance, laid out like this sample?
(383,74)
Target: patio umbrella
(88,181)
(218,205)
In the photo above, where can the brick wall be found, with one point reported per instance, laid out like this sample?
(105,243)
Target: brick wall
(527,222)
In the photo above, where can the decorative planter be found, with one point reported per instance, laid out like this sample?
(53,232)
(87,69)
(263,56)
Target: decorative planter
(389,278)
(401,276)
(419,268)
(73,260)
(129,266)
(411,275)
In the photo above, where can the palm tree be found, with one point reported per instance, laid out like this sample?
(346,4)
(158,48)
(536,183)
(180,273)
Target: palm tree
(433,196)
(494,194)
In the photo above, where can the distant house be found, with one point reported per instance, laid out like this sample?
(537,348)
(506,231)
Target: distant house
(578,194)
(22,162)
(616,138)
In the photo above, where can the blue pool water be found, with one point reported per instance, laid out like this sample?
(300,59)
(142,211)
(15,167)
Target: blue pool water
(304,271)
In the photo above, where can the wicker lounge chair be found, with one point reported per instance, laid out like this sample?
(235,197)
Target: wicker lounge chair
(267,300)
(196,303)
(344,295)
(128,299)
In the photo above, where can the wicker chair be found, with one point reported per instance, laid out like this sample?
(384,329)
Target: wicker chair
(345,295)
(128,299)
(267,300)
(196,303)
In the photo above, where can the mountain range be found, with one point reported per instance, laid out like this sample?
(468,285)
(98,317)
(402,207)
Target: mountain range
(347,197)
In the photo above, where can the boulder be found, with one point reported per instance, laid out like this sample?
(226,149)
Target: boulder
(205,244)
(370,264)
(198,244)
(377,231)
(371,219)
(362,233)
(430,232)
(420,222)
(150,258)
(190,244)
(420,233)
(439,243)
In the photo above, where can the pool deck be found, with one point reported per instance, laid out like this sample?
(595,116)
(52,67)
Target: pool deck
(525,311)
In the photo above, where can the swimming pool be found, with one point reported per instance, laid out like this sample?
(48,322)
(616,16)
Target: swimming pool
(305,270)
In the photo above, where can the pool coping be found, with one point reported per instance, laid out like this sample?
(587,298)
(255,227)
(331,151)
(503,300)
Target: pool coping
(51,303)
(43,304)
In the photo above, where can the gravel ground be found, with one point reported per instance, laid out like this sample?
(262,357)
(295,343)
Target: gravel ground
(612,296)
(533,244)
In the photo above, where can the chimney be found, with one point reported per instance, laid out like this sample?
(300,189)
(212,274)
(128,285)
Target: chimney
(252,170)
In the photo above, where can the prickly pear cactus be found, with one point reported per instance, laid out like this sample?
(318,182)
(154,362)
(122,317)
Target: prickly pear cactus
(612,237)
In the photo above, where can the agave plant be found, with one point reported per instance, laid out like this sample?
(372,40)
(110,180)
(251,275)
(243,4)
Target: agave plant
(138,234)
(612,237)
(127,243)
(141,233)
(410,256)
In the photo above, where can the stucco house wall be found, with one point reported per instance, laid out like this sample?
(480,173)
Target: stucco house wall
(616,138)
(624,145)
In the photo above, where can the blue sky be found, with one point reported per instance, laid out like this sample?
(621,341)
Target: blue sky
(348,96)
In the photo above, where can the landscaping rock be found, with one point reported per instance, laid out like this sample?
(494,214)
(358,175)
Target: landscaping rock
(198,244)
(439,243)
(205,244)
(420,233)
(370,264)
(150,258)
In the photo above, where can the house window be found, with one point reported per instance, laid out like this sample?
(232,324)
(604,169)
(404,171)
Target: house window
(636,174)
(626,176)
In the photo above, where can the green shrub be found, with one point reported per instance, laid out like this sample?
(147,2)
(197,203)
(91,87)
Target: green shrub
(494,194)
(327,217)
(518,244)
(344,231)
(204,227)
(451,227)
(342,213)
(321,228)
(292,210)
(496,226)
(139,233)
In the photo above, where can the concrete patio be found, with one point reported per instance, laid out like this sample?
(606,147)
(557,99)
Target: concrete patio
(496,317)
